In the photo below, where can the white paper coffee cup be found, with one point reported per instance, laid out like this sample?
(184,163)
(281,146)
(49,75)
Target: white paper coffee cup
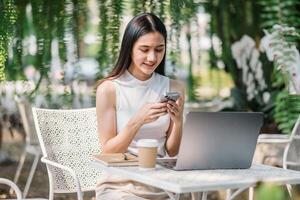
(147,151)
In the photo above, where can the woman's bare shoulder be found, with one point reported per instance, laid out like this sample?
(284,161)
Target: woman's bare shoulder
(106,90)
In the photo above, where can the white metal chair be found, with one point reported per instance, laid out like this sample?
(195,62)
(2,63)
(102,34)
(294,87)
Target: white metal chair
(15,188)
(291,155)
(31,142)
(68,139)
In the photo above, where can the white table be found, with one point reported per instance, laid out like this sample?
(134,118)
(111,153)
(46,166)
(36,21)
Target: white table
(204,180)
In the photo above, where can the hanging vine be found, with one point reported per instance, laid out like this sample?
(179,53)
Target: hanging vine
(43,21)
(137,6)
(174,10)
(79,19)
(280,12)
(15,63)
(8,18)
(103,56)
(114,27)
(60,24)
(162,10)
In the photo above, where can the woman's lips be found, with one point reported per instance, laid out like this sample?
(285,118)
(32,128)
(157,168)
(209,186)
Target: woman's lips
(148,65)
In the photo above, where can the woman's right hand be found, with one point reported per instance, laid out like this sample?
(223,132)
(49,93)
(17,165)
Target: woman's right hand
(150,112)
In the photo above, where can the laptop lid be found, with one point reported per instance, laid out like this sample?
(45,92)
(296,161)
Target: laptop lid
(219,140)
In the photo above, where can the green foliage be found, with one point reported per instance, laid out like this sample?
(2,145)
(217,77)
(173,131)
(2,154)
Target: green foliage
(117,10)
(183,13)
(109,29)
(8,18)
(280,12)
(286,111)
(103,56)
(79,18)
(283,45)
(287,13)
(60,31)
(43,21)
(137,6)
(282,41)
(15,61)
(66,21)
(271,192)
(230,20)
(162,10)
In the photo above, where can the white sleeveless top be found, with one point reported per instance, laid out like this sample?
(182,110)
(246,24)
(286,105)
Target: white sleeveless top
(131,95)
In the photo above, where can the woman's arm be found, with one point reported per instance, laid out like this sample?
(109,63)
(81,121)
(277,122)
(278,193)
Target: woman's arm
(110,141)
(175,111)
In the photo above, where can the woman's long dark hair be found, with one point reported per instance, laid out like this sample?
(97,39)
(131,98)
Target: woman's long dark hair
(137,27)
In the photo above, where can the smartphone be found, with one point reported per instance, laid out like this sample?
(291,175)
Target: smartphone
(170,96)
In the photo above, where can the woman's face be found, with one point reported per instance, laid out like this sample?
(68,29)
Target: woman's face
(147,53)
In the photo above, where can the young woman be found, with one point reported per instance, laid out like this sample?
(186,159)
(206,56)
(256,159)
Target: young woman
(129,108)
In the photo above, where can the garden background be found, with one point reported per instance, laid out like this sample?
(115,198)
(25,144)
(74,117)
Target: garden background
(232,55)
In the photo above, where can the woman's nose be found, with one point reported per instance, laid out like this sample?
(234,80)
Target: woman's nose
(151,56)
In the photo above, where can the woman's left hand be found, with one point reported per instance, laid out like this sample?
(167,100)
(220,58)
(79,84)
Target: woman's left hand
(175,110)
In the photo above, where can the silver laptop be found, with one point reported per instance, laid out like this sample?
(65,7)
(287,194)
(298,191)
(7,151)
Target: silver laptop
(217,140)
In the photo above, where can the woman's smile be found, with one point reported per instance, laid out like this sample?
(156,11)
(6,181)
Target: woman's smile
(149,65)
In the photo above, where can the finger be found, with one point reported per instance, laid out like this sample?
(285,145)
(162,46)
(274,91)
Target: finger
(159,110)
(179,104)
(171,113)
(157,115)
(158,105)
(173,107)
(173,103)
(176,105)
(180,101)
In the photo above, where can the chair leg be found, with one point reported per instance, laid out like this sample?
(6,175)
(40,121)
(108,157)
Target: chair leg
(31,173)
(204,195)
(199,195)
(228,194)
(51,183)
(19,169)
(290,190)
(251,193)
(196,195)
(51,195)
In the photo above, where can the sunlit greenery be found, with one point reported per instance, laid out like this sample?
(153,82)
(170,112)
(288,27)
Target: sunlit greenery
(70,22)
(93,29)
(8,18)
(271,192)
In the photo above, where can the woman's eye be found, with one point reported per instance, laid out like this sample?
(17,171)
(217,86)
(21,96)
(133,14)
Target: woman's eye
(144,50)
(159,50)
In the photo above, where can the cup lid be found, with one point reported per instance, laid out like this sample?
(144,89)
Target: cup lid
(147,143)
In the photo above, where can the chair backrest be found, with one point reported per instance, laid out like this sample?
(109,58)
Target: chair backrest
(25,111)
(70,138)
(291,156)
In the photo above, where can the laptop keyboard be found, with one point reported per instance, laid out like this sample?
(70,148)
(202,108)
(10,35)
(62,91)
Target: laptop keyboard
(168,163)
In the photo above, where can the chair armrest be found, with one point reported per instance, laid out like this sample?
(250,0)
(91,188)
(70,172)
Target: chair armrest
(13,186)
(66,168)
(55,164)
